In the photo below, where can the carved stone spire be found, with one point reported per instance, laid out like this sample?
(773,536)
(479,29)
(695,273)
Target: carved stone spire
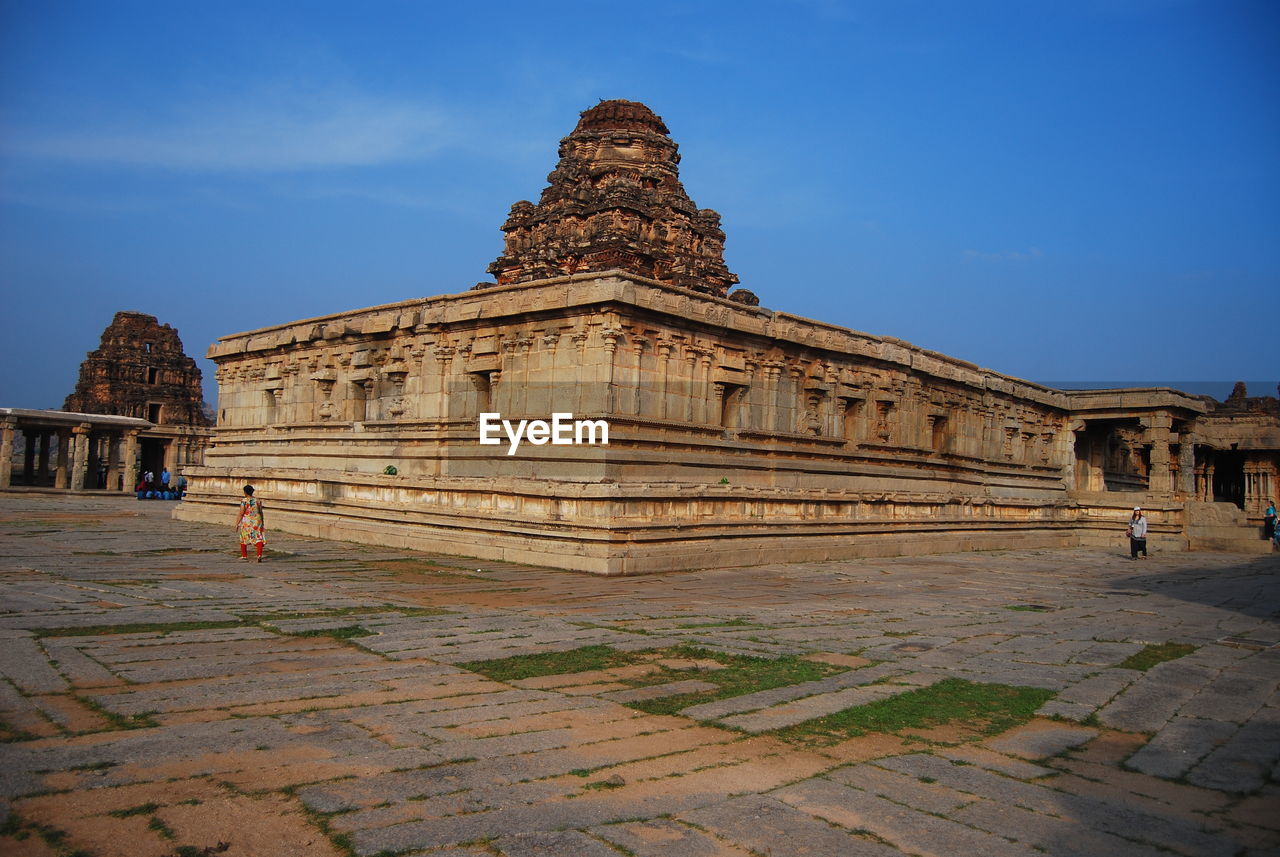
(615,201)
(140,370)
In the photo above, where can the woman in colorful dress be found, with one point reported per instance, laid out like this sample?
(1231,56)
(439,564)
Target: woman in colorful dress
(251,524)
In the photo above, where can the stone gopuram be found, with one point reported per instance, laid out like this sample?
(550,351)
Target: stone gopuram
(140,370)
(737,434)
(615,202)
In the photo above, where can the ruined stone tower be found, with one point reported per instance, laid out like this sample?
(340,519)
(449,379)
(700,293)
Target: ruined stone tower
(615,202)
(140,370)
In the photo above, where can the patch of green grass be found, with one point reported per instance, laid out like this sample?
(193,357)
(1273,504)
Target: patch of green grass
(140,628)
(140,809)
(603,785)
(346,632)
(145,720)
(1155,654)
(741,675)
(117,721)
(160,827)
(336,612)
(552,663)
(10,734)
(93,766)
(987,709)
(737,622)
(341,841)
(51,835)
(142,720)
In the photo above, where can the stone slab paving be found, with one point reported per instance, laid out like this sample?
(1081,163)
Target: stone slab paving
(1039,741)
(812,707)
(149,681)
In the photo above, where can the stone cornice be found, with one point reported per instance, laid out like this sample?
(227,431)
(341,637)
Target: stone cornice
(594,291)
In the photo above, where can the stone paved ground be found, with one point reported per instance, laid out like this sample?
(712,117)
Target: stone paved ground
(159,698)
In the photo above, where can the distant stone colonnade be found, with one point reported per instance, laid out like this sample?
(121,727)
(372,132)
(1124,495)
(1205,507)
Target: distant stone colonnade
(78,452)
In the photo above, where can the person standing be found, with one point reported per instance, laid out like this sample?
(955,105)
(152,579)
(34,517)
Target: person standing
(1137,534)
(1269,520)
(164,479)
(251,523)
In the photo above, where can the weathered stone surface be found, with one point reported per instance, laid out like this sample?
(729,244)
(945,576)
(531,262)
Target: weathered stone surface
(910,830)
(423,757)
(566,843)
(761,823)
(1039,741)
(1182,743)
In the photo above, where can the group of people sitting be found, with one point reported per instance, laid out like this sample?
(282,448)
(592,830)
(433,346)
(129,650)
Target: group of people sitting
(164,488)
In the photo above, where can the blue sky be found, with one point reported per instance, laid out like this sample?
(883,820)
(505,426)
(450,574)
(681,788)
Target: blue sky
(1058,191)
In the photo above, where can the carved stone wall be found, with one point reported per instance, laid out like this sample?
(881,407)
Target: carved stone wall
(736,433)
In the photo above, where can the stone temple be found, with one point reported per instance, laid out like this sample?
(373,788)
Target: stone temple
(737,434)
(137,406)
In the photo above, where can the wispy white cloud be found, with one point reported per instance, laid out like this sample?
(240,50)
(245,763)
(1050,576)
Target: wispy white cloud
(265,131)
(1004,256)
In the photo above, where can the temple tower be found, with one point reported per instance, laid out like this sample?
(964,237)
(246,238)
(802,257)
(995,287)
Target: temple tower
(615,202)
(140,370)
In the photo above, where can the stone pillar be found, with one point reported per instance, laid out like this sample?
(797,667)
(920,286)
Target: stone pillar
(1160,480)
(8,428)
(80,466)
(129,462)
(113,461)
(1187,467)
(62,476)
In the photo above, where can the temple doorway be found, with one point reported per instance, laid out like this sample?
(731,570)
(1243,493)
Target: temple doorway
(1228,477)
(152,456)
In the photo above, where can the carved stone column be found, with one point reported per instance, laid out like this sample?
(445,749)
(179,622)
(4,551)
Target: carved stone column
(80,464)
(113,462)
(8,428)
(62,476)
(1187,467)
(129,460)
(1157,434)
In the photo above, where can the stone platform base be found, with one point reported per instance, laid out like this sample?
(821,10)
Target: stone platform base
(640,552)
